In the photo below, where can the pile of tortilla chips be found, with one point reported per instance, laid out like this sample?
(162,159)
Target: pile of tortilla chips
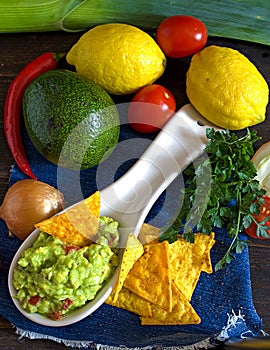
(157,279)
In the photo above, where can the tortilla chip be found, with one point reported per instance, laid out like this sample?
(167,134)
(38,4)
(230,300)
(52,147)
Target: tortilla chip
(207,263)
(133,251)
(132,302)
(182,312)
(148,234)
(93,203)
(161,282)
(187,260)
(77,225)
(150,276)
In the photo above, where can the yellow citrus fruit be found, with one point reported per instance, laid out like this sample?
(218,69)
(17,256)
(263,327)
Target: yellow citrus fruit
(120,57)
(226,88)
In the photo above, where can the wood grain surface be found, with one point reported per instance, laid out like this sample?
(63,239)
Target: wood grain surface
(16,50)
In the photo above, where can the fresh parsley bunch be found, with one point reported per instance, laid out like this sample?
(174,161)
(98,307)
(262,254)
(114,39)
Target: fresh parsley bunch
(221,191)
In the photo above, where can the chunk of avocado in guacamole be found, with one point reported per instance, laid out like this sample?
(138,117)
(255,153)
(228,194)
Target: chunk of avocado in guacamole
(52,279)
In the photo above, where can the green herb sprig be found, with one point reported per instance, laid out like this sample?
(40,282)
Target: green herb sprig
(221,191)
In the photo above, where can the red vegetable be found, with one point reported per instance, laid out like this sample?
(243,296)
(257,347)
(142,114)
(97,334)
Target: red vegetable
(71,248)
(34,300)
(181,36)
(56,315)
(66,303)
(13,103)
(263,216)
(151,108)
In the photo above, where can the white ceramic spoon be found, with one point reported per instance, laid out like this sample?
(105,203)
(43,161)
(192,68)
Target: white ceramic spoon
(129,199)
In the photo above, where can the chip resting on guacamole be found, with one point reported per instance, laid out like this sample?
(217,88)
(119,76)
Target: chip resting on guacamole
(77,225)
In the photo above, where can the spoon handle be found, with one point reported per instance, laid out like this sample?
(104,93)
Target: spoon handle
(177,145)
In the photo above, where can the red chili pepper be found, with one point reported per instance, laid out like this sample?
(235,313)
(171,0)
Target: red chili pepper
(13,104)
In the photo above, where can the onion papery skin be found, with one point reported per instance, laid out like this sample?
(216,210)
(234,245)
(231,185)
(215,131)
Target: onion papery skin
(28,202)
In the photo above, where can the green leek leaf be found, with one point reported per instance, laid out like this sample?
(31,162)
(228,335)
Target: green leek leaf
(235,19)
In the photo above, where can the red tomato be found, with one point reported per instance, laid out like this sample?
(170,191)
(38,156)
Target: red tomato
(264,213)
(71,248)
(56,315)
(66,303)
(151,108)
(34,300)
(181,36)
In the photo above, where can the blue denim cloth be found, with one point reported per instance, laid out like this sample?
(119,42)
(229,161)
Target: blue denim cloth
(217,298)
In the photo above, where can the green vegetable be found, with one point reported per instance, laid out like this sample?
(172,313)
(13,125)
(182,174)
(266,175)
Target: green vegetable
(221,192)
(237,19)
(34,15)
(71,121)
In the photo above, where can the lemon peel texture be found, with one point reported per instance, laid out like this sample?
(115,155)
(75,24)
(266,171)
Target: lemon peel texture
(120,57)
(227,88)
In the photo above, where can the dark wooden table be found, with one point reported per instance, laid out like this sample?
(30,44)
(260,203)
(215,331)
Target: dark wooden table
(16,50)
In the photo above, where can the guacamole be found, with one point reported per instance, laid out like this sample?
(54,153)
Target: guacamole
(53,279)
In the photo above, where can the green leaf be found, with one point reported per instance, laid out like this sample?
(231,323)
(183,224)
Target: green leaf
(262,231)
(189,236)
(171,236)
(247,220)
(240,246)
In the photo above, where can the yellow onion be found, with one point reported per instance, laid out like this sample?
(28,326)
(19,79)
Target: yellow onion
(28,202)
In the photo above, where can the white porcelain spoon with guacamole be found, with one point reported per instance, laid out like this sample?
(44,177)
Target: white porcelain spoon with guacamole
(129,199)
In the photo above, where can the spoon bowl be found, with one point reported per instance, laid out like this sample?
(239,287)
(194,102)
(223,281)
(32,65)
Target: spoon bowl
(130,198)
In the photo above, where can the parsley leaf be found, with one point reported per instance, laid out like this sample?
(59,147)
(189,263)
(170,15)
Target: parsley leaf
(221,191)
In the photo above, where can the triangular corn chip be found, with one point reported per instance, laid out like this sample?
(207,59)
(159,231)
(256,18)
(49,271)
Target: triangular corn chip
(133,251)
(182,312)
(93,203)
(77,225)
(148,234)
(207,263)
(132,302)
(150,276)
(187,260)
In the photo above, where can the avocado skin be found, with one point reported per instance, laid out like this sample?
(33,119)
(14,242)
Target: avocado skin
(70,120)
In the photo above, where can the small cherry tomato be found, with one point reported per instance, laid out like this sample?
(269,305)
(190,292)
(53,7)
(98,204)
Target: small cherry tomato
(181,36)
(151,108)
(262,216)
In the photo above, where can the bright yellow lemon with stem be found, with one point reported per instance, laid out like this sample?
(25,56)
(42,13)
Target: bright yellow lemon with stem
(227,88)
(120,57)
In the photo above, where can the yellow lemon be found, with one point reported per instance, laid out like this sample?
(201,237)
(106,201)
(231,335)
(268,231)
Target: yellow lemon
(226,88)
(119,57)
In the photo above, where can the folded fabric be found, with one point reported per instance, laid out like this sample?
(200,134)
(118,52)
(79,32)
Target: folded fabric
(222,299)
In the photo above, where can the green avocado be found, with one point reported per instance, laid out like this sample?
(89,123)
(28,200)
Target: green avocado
(70,120)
